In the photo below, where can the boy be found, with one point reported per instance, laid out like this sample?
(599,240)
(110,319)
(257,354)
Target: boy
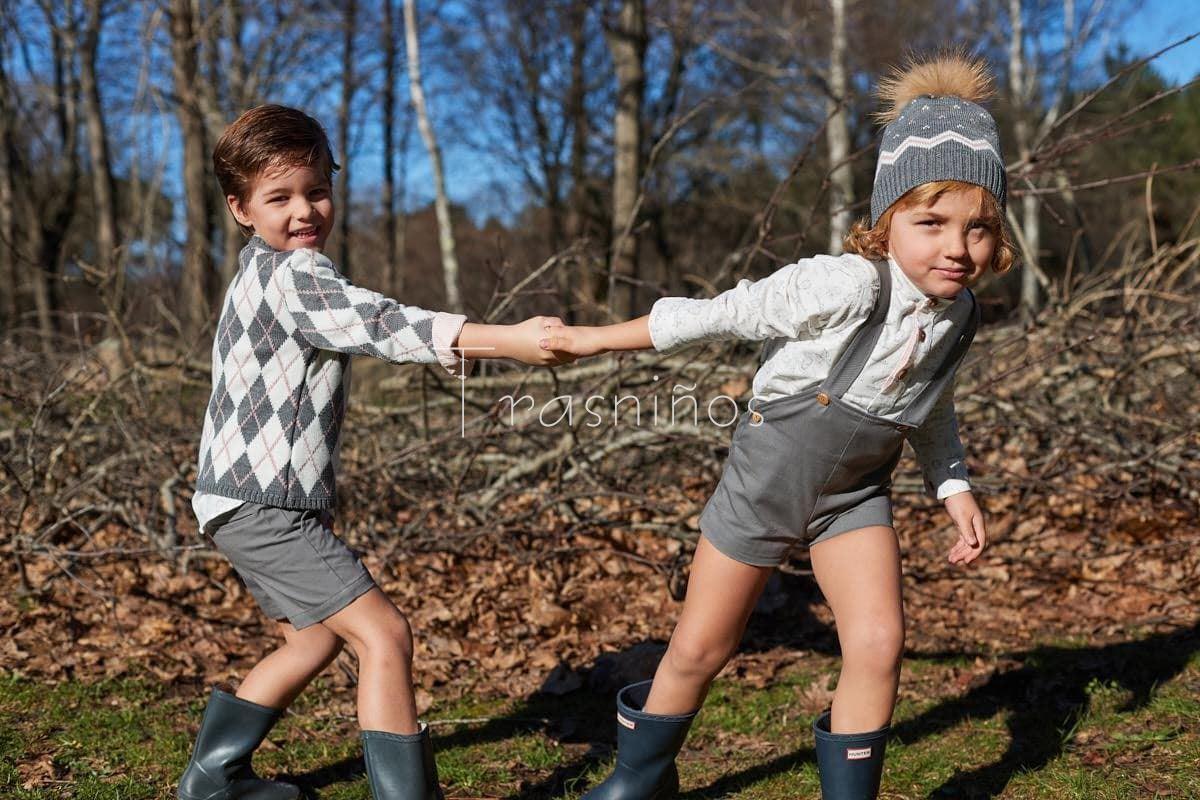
(268,456)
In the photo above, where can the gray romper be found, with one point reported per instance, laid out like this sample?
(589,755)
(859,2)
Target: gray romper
(807,467)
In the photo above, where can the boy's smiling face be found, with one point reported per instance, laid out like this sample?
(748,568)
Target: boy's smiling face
(945,245)
(290,208)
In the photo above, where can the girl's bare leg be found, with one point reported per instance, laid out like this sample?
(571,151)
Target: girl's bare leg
(277,679)
(720,596)
(382,639)
(859,574)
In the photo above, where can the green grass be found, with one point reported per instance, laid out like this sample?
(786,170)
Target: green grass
(1066,721)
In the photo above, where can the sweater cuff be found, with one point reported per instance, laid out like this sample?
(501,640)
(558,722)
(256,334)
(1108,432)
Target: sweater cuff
(667,321)
(446,328)
(952,486)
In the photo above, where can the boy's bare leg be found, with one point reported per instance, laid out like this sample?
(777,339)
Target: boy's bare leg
(382,639)
(859,574)
(277,679)
(720,596)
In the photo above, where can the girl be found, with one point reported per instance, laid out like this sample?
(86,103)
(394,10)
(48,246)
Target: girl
(861,355)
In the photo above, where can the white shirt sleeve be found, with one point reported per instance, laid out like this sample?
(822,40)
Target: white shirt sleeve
(333,314)
(939,449)
(796,301)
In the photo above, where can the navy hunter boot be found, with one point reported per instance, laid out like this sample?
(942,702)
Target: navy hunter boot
(400,766)
(232,729)
(850,764)
(646,748)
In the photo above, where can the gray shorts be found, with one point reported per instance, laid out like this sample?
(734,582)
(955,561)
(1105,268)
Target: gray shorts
(770,547)
(292,562)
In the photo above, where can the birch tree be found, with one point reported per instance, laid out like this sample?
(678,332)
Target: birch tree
(441,203)
(345,104)
(1021,82)
(837,133)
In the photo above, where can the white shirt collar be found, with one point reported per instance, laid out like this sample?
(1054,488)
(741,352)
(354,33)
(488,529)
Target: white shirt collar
(907,292)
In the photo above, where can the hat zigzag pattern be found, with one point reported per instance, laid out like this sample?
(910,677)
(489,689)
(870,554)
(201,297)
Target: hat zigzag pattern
(889,157)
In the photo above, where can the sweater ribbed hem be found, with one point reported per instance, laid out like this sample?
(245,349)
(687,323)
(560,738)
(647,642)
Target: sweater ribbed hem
(267,498)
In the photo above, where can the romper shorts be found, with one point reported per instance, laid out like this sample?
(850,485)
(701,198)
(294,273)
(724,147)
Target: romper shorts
(791,479)
(291,561)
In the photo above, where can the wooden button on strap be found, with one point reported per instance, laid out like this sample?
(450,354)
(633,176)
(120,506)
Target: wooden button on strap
(822,398)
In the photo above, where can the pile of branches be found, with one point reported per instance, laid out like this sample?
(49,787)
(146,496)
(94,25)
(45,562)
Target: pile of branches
(1099,396)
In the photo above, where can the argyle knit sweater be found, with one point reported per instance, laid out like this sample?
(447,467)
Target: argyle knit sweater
(289,324)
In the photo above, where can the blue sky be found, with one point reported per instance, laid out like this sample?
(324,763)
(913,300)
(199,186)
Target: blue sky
(1159,23)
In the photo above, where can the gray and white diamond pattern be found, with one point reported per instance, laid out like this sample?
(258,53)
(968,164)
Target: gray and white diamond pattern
(281,367)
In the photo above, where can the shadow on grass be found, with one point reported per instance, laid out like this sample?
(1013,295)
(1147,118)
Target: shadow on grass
(1044,700)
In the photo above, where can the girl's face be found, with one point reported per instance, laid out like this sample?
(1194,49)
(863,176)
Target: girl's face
(943,246)
(290,208)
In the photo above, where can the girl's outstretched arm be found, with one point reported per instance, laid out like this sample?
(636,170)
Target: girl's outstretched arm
(585,340)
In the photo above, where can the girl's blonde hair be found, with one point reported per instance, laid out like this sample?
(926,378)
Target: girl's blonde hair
(871,242)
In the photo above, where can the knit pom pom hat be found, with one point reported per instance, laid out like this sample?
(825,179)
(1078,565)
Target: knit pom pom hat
(937,130)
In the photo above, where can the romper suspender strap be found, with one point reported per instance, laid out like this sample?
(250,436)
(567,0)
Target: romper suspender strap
(862,343)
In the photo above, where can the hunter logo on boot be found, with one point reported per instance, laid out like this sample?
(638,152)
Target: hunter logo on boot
(628,723)
(857,753)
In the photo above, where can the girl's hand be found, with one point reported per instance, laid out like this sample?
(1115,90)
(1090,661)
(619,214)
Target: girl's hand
(972,535)
(575,341)
(530,338)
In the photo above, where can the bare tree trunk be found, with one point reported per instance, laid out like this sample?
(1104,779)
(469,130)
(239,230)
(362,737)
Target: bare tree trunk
(579,278)
(1021,87)
(194,290)
(220,67)
(837,134)
(103,195)
(627,43)
(232,238)
(50,221)
(10,291)
(441,204)
(350,10)
(401,233)
(388,44)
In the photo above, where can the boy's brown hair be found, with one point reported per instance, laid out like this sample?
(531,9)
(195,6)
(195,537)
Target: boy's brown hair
(871,242)
(265,139)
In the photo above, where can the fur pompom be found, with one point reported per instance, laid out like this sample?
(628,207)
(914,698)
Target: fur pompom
(952,74)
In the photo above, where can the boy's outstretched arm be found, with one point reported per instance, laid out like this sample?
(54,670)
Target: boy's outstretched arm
(576,341)
(520,342)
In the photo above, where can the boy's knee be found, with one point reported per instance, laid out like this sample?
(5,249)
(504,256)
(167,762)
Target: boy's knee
(388,638)
(316,640)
